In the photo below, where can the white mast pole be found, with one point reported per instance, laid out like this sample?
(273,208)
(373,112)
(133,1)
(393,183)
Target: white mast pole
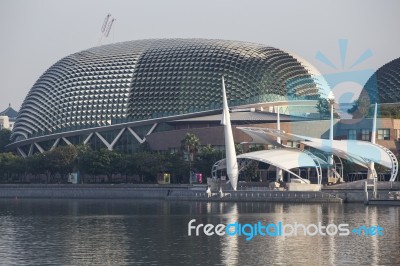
(231,161)
(371,165)
(331,100)
(279,172)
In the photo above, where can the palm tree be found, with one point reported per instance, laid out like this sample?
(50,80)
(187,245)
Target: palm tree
(323,107)
(190,144)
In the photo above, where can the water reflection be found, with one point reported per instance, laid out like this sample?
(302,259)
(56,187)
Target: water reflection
(126,232)
(372,217)
(229,245)
(113,251)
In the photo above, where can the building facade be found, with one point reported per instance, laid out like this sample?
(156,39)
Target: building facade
(4,122)
(123,95)
(8,118)
(115,96)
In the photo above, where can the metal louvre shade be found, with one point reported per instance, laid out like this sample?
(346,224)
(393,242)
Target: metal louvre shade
(384,85)
(143,79)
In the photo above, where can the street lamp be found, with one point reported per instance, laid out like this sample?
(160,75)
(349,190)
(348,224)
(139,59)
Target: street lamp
(190,164)
(331,101)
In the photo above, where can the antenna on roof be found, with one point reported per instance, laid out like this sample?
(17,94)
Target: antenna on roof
(103,28)
(106,27)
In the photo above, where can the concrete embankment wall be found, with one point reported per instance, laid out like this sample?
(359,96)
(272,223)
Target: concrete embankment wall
(169,192)
(179,192)
(354,191)
(357,195)
(86,191)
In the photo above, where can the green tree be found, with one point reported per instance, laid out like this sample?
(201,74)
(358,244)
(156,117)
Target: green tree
(147,165)
(61,160)
(126,165)
(177,167)
(258,147)
(238,149)
(250,172)
(324,109)
(5,136)
(348,167)
(84,162)
(35,164)
(48,168)
(361,107)
(354,107)
(18,169)
(207,157)
(106,162)
(190,144)
(390,111)
(7,161)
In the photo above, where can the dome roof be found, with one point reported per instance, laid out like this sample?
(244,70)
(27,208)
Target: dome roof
(145,79)
(384,85)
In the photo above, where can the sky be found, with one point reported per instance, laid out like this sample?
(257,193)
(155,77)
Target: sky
(36,34)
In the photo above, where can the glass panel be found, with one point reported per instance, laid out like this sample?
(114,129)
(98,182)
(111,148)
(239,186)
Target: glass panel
(352,134)
(383,134)
(365,134)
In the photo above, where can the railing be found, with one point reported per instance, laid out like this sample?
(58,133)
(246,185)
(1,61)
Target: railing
(395,163)
(256,188)
(256,195)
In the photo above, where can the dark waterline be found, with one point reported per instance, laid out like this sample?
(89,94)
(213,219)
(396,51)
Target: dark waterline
(155,232)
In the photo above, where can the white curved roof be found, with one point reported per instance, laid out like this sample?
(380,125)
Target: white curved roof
(359,152)
(285,159)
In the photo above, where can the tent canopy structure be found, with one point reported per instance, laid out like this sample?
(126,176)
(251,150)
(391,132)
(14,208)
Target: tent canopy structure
(285,159)
(360,152)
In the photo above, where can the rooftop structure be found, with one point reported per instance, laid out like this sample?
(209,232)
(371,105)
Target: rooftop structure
(383,87)
(8,117)
(144,83)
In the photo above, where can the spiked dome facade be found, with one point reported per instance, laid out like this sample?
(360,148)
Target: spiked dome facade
(383,87)
(118,85)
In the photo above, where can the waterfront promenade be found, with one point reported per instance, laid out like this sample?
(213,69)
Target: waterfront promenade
(185,192)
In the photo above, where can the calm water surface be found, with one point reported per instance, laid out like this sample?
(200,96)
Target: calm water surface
(154,232)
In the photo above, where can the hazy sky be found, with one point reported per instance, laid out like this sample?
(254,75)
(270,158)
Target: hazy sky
(36,34)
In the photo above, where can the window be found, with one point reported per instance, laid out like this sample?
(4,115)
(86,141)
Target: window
(352,134)
(256,147)
(384,134)
(365,134)
(270,147)
(173,150)
(293,144)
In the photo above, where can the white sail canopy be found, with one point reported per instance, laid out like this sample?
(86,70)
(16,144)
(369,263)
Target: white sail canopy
(283,158)
(359,152)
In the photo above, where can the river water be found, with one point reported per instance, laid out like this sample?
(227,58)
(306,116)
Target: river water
(155,232)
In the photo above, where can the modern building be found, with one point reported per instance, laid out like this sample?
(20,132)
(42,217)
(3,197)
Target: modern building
(117,96)
(122,95)
(4,122)
(8,117)
(383,86)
